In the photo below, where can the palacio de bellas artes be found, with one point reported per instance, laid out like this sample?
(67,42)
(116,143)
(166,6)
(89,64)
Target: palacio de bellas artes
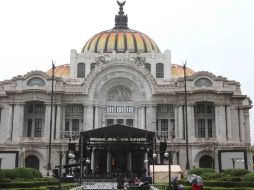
(119,105)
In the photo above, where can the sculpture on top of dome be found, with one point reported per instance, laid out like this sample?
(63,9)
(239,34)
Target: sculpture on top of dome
(121,20)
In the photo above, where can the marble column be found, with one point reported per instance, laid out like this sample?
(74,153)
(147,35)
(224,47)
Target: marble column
(129,162)
(146,163)
(62,127)
(96,117)
(180,122)
(142,117)
(47,123)
(89,118)
(92,160)
(10,123)
(103,118)
(136,120)
(108,162)
(58,121)
(18,122)
(229,122)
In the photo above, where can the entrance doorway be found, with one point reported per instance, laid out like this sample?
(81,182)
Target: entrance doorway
(119,161)
(32,162)
(206,162)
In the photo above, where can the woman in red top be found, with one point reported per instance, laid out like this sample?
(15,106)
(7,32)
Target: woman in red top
(196,186)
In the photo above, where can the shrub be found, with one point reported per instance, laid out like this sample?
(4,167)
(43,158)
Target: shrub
(9,173)
(24,173)
(2,175)
(210,176)
(249,177)
(235,172)
(36,173)
(200,171)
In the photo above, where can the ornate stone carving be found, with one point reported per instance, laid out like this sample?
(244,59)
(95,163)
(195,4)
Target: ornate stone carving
(119,93)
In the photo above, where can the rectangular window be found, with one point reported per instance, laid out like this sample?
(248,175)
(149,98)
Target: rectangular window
(129,122)
(201,128)
(210,127)
(110,122)
(164,125)
(119,109)
(29,127)
(68,109)
(0,163)
(75,125)
(164,109)
(119,121)
(200,108)
(129,109)
(110,109)
(38,128)
(67,125)
(38,108)
(30,108)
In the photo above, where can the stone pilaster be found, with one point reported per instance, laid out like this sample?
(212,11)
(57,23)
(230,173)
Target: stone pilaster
(18,122)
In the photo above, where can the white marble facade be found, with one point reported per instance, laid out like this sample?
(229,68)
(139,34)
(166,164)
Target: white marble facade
(121,89)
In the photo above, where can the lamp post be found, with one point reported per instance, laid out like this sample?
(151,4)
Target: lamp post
(186,119)
(87,165)
(167,156)
(51,112)
(154,157)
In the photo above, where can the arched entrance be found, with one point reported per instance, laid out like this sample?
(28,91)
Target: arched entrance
(32,162)
(206,162)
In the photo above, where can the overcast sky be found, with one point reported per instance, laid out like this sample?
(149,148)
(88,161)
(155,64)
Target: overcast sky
(212,35)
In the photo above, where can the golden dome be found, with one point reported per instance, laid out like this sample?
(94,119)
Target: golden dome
(120,40)
(177,71)
(60,71)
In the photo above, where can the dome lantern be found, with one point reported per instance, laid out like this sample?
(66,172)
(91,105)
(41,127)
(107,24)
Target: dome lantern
(121,20)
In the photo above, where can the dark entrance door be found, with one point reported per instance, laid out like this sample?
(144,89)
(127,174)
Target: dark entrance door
(119,161)
(206,162)
(138,162)
(101,162)
(32,162)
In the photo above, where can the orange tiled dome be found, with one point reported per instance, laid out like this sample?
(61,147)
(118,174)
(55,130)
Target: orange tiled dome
(120,40)
(177,71)
(60,71)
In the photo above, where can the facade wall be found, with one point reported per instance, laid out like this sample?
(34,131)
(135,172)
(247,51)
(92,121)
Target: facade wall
(143,92)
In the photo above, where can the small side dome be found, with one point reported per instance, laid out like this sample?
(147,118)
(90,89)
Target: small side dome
(177,71)
(60,71)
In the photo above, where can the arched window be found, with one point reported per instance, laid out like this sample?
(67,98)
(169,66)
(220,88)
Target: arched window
(159,70)
(92,67)
(81,72)
(206,162)
(32,162)
(204,120)
(148,66)
(203,82)
(36,81)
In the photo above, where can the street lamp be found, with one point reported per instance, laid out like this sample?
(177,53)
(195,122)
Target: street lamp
(167,156)
(61,154)
(154,157)
(87,164)
(236,160)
